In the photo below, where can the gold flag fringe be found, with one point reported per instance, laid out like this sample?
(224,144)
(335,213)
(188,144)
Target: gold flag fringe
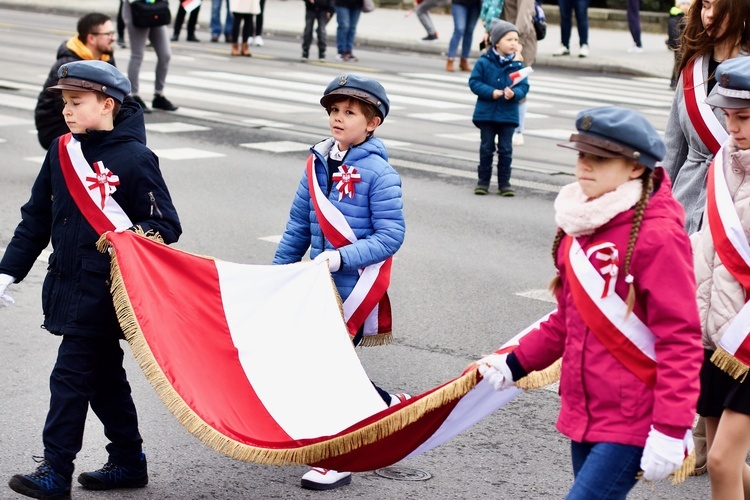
(687,468)
(376,340)
(541,378)
(214,439)
(728,363)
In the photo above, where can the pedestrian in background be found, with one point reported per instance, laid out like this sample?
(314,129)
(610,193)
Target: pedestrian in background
(422,10)
(320,12)
(623,409)
(675,25)
(634,25)
(567,7)
(120,27)
(349,186)
(465,16)
(347,17)
(721,272)
(159,37)
(243,12)
(496,109)
(107,135)
(521,13)
(216,28)
(94,41)
(258,38)
(191,24)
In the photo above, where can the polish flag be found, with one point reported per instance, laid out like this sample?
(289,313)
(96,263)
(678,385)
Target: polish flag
(190,5)
(518,76)
(257,363)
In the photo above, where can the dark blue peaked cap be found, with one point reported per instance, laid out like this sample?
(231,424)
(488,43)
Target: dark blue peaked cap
(358,87)
(611,132)
(733,84)
(88,76)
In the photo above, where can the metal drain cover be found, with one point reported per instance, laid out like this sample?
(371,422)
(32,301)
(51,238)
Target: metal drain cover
(403,474)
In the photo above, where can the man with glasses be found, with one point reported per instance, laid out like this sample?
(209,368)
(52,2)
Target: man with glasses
(95,40)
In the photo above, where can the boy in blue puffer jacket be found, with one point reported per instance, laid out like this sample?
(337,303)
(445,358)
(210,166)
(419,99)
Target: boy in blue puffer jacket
(348,209)
(496,110)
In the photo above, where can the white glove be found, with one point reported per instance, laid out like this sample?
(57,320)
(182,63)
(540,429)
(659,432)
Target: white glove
(5,281)
(494,369)
(662,455)
(333,257)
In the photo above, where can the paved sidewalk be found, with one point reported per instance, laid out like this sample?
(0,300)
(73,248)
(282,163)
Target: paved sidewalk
(396,29)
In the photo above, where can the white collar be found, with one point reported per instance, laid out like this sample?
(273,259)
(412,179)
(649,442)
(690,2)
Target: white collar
(336,154)
(578,216)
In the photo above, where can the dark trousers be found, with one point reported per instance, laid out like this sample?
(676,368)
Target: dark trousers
(259,19)
(311,16)
(89,371)
(381,392)
(246,20)
(192,21)
(120,25)
(634,20)
(487,147)
(580,7)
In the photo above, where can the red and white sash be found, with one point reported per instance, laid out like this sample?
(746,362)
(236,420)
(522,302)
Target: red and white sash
(627,338)
(91,188)
(707,126)
(368,304)
(734,252)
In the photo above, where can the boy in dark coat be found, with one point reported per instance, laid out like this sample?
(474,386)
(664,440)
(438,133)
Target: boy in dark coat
(675,25)
(100,178)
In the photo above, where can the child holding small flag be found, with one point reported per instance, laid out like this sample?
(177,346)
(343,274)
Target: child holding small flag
(496,110)
(348,211)
(192,7)
(626,326)
(722,270)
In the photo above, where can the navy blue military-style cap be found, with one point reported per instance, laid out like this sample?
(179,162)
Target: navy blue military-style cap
(358,87)
(611,132)
(89,76)
(733,84)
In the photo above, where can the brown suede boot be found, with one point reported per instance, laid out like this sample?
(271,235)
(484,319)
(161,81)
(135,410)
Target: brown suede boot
(449,65)
(235,49)
(464,64)
(245,50)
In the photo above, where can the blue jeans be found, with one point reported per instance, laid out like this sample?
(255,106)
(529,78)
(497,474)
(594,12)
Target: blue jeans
(216,18)
(347,27)
(487,133)
(566,20)
(464,20)
(603,470)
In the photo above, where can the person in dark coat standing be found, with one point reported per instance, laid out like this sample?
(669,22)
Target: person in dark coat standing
(99,178)
(319,11)
(95,41)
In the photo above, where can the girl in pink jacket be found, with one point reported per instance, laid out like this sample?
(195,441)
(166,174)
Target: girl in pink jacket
(722,270)
(627,325)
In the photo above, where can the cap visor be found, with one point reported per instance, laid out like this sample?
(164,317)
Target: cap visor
(721,101)
(59,88)
(590,149)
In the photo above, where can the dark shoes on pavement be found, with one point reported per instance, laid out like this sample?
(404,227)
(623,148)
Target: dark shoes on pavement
(142,104)
(482,189)
(113,476)
(161,102)
(42,483)
(506,191)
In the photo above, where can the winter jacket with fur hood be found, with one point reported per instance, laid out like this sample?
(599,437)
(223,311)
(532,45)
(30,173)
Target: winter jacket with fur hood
(720,295)
(601,400)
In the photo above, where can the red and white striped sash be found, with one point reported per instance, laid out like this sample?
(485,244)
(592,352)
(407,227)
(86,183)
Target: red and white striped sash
(707,126)
(734,252)
(628,339)
(91,189)
(368,303)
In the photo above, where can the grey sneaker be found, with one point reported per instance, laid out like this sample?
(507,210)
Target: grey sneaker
(506,191)
(481,189)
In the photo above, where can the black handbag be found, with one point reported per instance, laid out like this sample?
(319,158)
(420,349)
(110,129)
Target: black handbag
(149,15)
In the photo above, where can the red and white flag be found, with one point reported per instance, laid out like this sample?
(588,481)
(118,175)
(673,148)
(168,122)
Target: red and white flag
(190,5)
(518,76)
